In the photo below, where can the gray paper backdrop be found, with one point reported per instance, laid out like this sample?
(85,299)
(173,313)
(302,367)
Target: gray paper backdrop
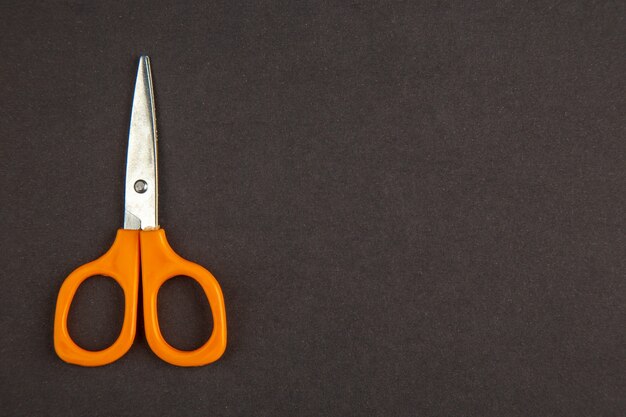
(413,208)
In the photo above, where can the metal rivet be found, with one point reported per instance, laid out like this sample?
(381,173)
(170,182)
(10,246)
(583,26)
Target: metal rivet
(141,186)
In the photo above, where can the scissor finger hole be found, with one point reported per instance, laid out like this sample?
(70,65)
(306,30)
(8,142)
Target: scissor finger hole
(97,313)
(184,313)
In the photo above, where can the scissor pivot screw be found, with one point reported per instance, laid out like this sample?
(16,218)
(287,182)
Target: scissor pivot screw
(141,186)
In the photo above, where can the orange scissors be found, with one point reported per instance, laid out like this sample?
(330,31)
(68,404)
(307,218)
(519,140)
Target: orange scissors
(141,245)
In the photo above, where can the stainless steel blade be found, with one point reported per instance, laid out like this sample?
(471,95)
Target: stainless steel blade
(141,203)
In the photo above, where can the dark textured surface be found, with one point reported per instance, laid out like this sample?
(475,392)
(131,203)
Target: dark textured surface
(413,209)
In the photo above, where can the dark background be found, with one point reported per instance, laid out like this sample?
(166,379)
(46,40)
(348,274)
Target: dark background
(412,208)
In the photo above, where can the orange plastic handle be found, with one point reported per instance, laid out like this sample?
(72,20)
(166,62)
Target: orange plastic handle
(159,263)
(121,263)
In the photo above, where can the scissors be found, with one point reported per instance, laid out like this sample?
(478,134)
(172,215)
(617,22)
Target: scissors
(141,246)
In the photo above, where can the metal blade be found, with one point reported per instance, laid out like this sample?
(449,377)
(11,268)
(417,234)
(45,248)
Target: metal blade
(141,209)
